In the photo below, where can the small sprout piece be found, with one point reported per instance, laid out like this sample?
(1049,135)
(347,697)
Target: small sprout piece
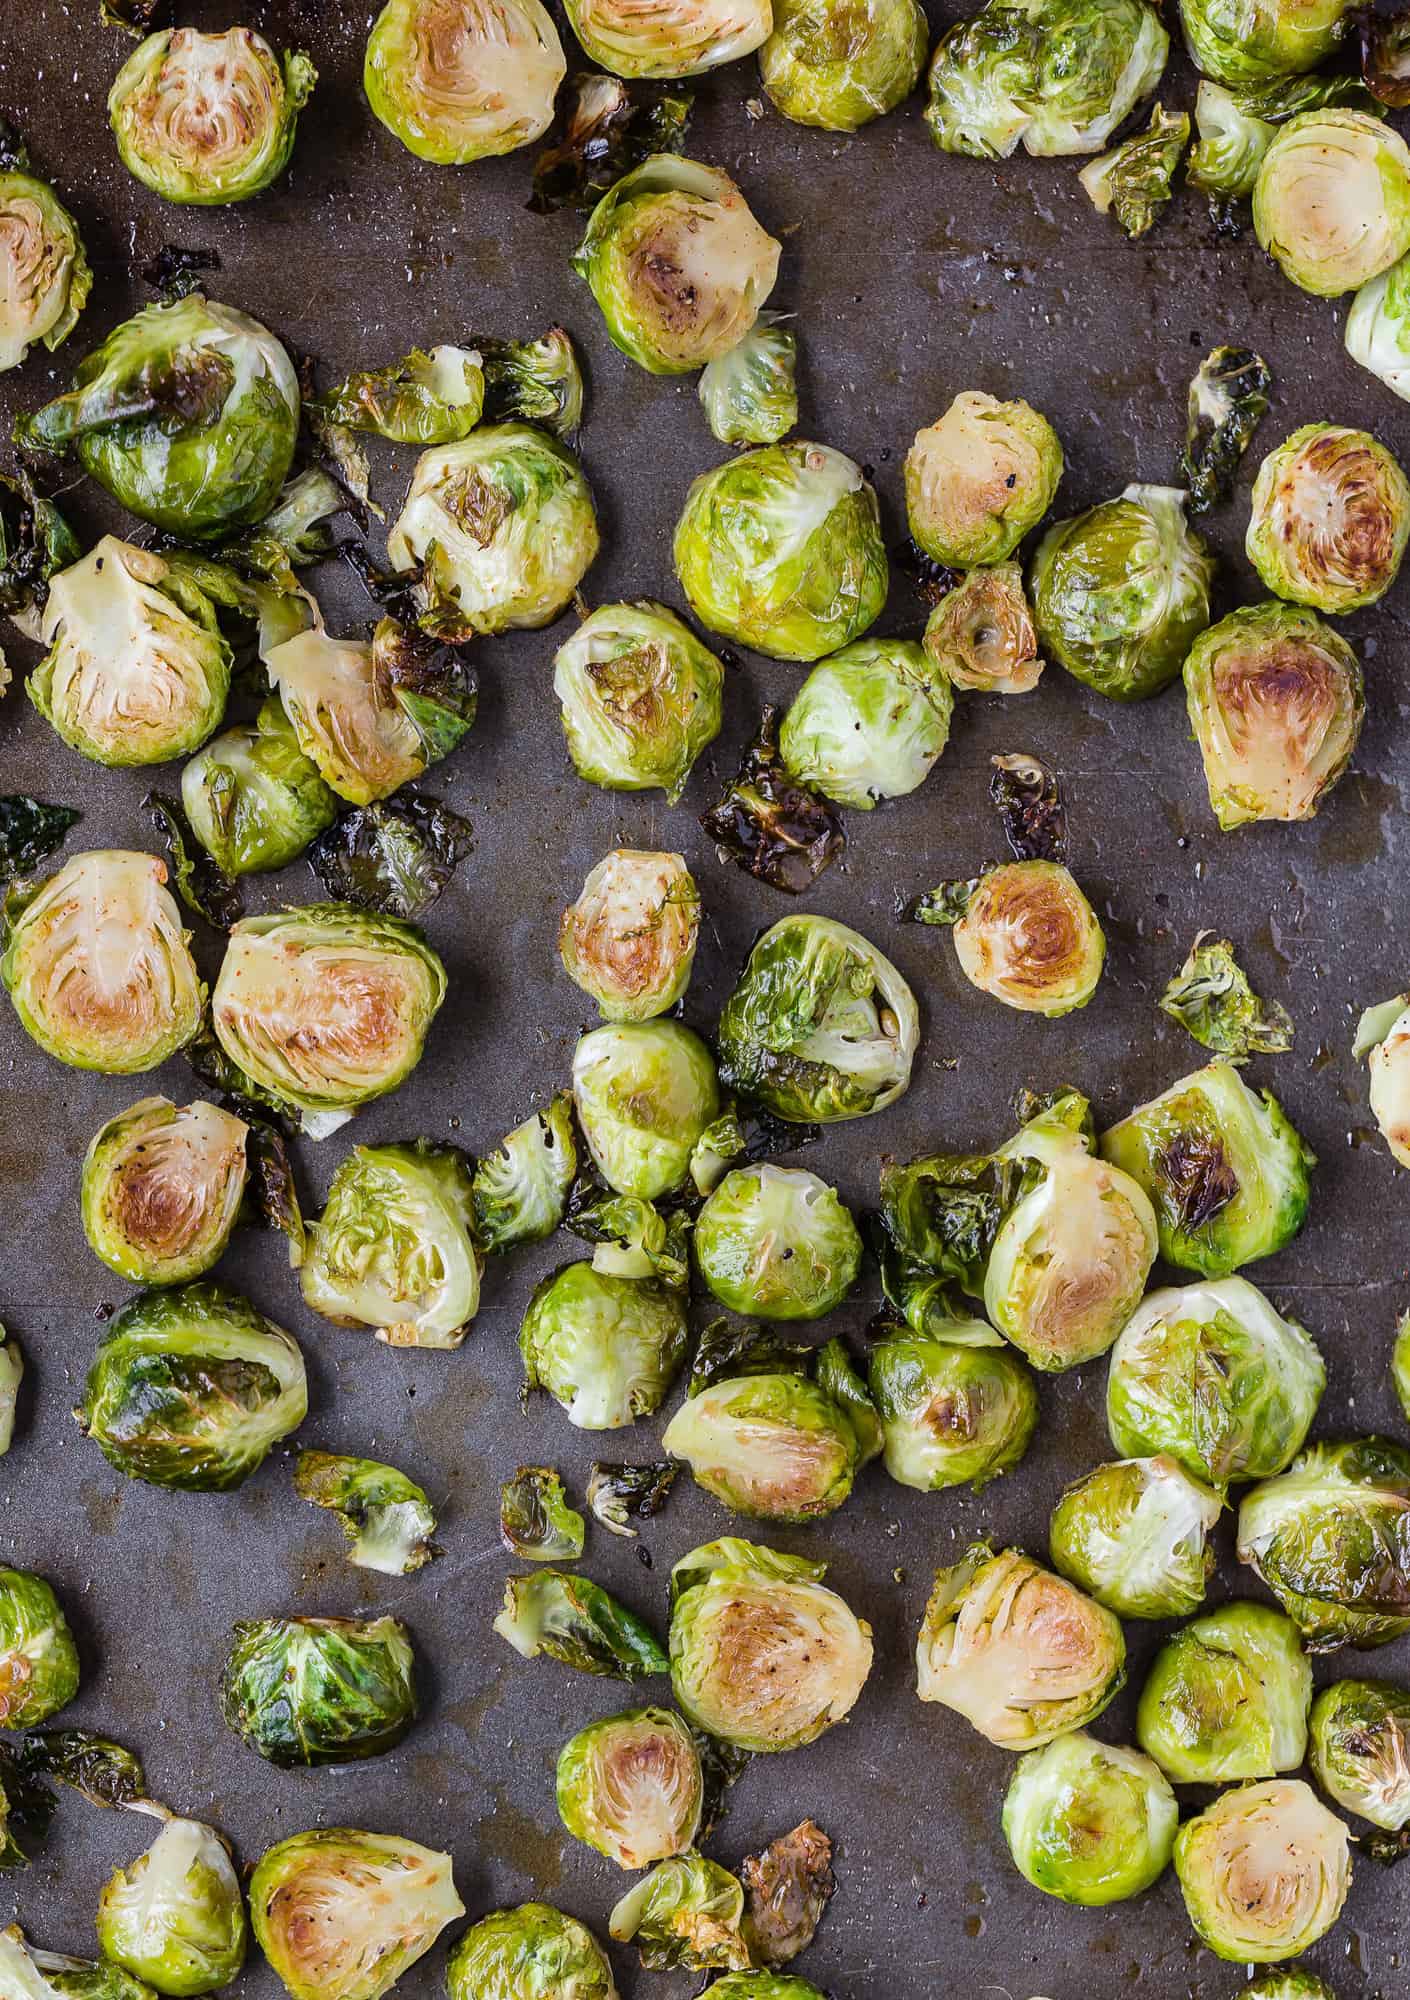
(1214,1376)
(457,84)
(1331,204)
(631,1786)
(605,129)
(1089,1822)
(425,398)
(1223,163)
(44,275)
(1378,328)
(645,1092)
(678,264)
(1383,1038)
(979,478)
(341,1914)
(1385,57)
(1228,396)
(1360,1756)
(253,799)
(641,698)
(1136,179)
(1264,1871)
(201,883)
(777,1243)
(533,381)
(671,40)
(780,549)
(869,723)
(98,1769)
(605,1348)
(306,1691)
(1017,1651)
(162,1187)
(30,832)
(1121,592)
(1328,1539)
(749,393)
(952,1411)
(1029,802)
(176,1917)
(1330,517)
(535,1521)
(39,1670)
(820,1027)
(1212,1000)
(616,1491)
(575,1621)
(1264,44)
(11,1375)
(629,939)
(520,1191)
(1227,1698)
(1025,933)
(26,1808)
(1399,1364)
(191,1388)
(1225,1170)
(767,823)
(839,67)
(387,1519)
(533,1952)
(394,1247)
(980,635)
(1135,1535)
(686,1915)
(394,856)
(208,119)
(787,1886)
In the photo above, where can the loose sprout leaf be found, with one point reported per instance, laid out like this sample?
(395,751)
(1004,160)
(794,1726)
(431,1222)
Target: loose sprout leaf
(136,17)
(520,1191)
(35,542)
(1228,397)
(1030,807)
(350,463)
(686,1914)
(943,905)
(272,1187)
(294,533)
(103,1771)
(395,856)
(30,832)
(386,1517)
(1135,179)
(616,1492)
(1212,1000)
(175,272)
(534,381)
(769,824)
(432,682)
(535,1521)
(722,1765)
(574,1620)
(26,1808)
(1385,55)
(943,1211)
(605,128)
(1283,97)
(750,394)
(727,1349)
(200,881)
(633,1237)
(425,398)
(1225,158)
(787,1886)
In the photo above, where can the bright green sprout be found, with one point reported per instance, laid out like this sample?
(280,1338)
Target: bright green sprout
(685,1915)
(341,1914)
(1331,204)
(306,1691)
(387,1519)
(838,64)
(1227,1698)
(869,723)
(1264,1871)
(208,119)
(176,1917)
(533,1952)
(1135,1535)
(749,393)
(605,1348)
(645,1092)
(254,800)
(1360,1756)
(1136,179)
(39,1670)
(576,1622)
(952,1412)
(1247,43)
(1378,327)
(1226,156)
(1212,1000)
(1328,1539)
(1092,1823)
(161,1189)
(1329,519)
(456,86)
(776,1242)
(641,698)
(46,1975)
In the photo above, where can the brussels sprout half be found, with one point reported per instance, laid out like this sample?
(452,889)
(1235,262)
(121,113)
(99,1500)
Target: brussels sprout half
(457,83)
(1378,327)
(838,64)
(981,634)
(162,1187)
(1246,42)
(776,1242)
(1329,519)
(979,478)
(1360,1755)
(869,723)
(668,38)
(533,1952)
(44,275)
(686,1914)
(386,1517)
(345,717)
(750,393)
(645,1093)
(1135,1535)
(1331,204)
(1024,933)
(1089,1822)
(39,1671)
(520,1191)
(208,119)
(641,698)
(605,1348)
(341,1914)
(629,939)
(1264,1871)
(1328,1537)
(1227,1698)
(1383,1039)
(774,1443)
(953,1410)
(176,1917)
(631,1787)
(306,1691)
(253,799)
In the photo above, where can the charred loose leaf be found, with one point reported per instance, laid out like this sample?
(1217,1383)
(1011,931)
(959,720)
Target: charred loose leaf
(391,590)
(943,905)
(433,683)
(721,1766)
(740,1136)
(1212,1000)
(605,128)
(137,17)
(576,1621)
(103,1771)
(35,541)
(533,381)
(634,1238)
(387,1518)
(271,1184)
(1134,180)
(395,856)
(198,877)
(349,461)
(769,824)
(535,1521)
(295,532)
(30,832)
(1385,55)
(730,1348)
(1030,807)
(787,1886)
(924,1298)
(174,273)
(943,1211)
(617,1492)
(26,1808)
(424,398)
(1228,397)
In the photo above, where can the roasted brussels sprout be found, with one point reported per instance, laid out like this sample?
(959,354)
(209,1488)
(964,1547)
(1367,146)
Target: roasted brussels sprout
(575,1621)
(1264,1871)
(1135,179)
(11,1375)
(1227,400)
(1331,204)
(47,1975)
(187,414)
(1090,1822)
(1247,42)
(1328,1539)
(425,398)
(980,635)
(1017,1651)
(394,1247)
(776,1242)
(663,41)
(1224,161)
(39,1670)
(1399,1364)
(387,1519)
(535,1521)
(631,1786)
(1383,1038)
(1378,327)
(1293,1985)
(605,1348)
(98,966)
(44,275)
(520,1191)
(868,723)
(763,1655)
(765,1986)
(208,119)
(641,698)
(254,800)
(1330,517)
(1135,1535)
(979,478)
(531,1953)
(820,1027)
(457,82)
(176,1917)
(952,1411)
(341,1914)
(1227,1698)
(750,393)
(1023,932)
(629,939)
(645,1092)
(1360,1755)
(305,1691)
(35,543)
(161,1189)
(780,549)
(1121,592)
(686,1914)
(836,65)
(605,127)
(1210,996)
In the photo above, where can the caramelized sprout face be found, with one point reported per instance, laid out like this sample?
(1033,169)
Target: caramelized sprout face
(868,724)
(1227,1698)
(162,1187)
(1029,937)
(1331,204)
(953,1411)
(1329,1539)
(533,1952)
(774,1447)
(1089,1822)
(641,698)
(979,478)
(1264,1871)
(463,80)
(208,119)
(631,1787)
(1329,519)
(44,275)
(838,67)
(1383,1038)
(1361,1750)
(341,1914)
(629,939)
(1135,1535)
(668,38)
(981,635)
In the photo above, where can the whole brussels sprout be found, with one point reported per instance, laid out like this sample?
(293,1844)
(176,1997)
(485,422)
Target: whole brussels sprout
(1378,327)
(1121,592)
(631,1786)
(1018,1652)
(838,65)
(1248,42)
(868,723)
(191,1388)
(254,800)
(645,1092)
(161,1189)
(520,1191)
(629,939)
(1213,1375)
(763,1655)
(1225,1169)
(979,478)
(305,1691)
(44,275)
(208,119)
(187,414)
(750,393)
(1331,204)
(1023,932)
(176,1917)
(1329,518)
(457,83)
(1383,1038)
(1227,1698)
(677,263)
(1090,1822)
(777,1243)
(1276,703)
(688,1913)
(1360,1753)
(98,966)
(641,698)
(780,550)
(1135,1535)
(820,1027)
(341,1914)
(1264,1871)
(981,634)
(39,1670)
(504,525)
(533,1952)
(678,38)
(605,1348)
(953,1411)
(773,1446)
(1329,1539)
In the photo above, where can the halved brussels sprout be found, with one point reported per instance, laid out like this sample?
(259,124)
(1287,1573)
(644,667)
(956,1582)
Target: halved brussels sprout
(677,263)
(504,525)
(605,1348)
(535,1521)
(575,1620)
(39,1670)
(1018,1652)
(463,80)
(1215,1376)
(838,64)
(981,635)
(1378,327)
(1227,1698)
(1090,1822)
(47,1975)
(1383,1038)
(520,1191)
(641,698)
(763,1655)
(1328,1538)
(191,1388)
(1121,592)
(394,1247)
(1329,518)
(176,1917)
(533,1952)
(208,119)
(1136,179)
(952,1411)
(1264,1871)
(326,1007)
(341,1914)
(1360,1754)
(44,274)
(629,939)
(1135,1535)
(667,38)
(1226,1171)
(386,1517)
(979,478)
(820,1025)
(750,393)
(631,1786)
(425,398)
(1023,932)
(777,1243)
(305,1691)
(645,1092)
(187,414)
(687,1914)
(162,1188)
(1210,996)
(1331,204)
(868,723)
(780,549)
(11,1376)
(98,966)
(254,800)
(1246,42)
(1059,74)
(773,1446)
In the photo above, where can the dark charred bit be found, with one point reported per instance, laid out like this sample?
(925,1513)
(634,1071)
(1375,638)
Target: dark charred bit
(1196,1170)
(103,1771)
(1385,54)
(30,832)
(768,824)
(200,881)
(616,1492)
(14,154)
(137,17)
(1227,399)
(1387,1848)
(605,128)
(933,580)
(787,1887)
(392,590)
(174,273)
(395,856)
(273,1191)
(1030,807)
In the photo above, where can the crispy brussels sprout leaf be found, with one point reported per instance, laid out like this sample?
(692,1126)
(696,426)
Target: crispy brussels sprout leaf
(685,1915)
(787,1886)
(308,1691)
(534,381)
(520,1191)
(174,273)
(136,17)
(1212,1000)
(1385,55)
(1224,162)
(1030,807)
(394,1248)
(272,1188)
(201,882)
(1228,397)
(727,1349)
(943,1211)
(26,1808)
(769,824)
(30,832)
(750,394)
(605,128)
(341,1914)
(102,1771)
(395,855)
(1136,179)
(633,1237)
(425,398)
(386,1517)
(574,1620)
(535,1521)
(618,1492)
(35,543)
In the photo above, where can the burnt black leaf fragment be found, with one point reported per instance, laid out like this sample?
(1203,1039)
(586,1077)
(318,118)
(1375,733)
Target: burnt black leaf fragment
(201,882)
(771,826)
(395,856)
(30,832)
(1030,807)
(605,128)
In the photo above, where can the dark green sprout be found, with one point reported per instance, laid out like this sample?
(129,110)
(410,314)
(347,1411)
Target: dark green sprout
(425,398)
(101,1771)
(574,1620)
(306,1691)
(200,881)
(36,542)
(1228,396)
(1212,1000)
(535,1521)
(26,1808)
